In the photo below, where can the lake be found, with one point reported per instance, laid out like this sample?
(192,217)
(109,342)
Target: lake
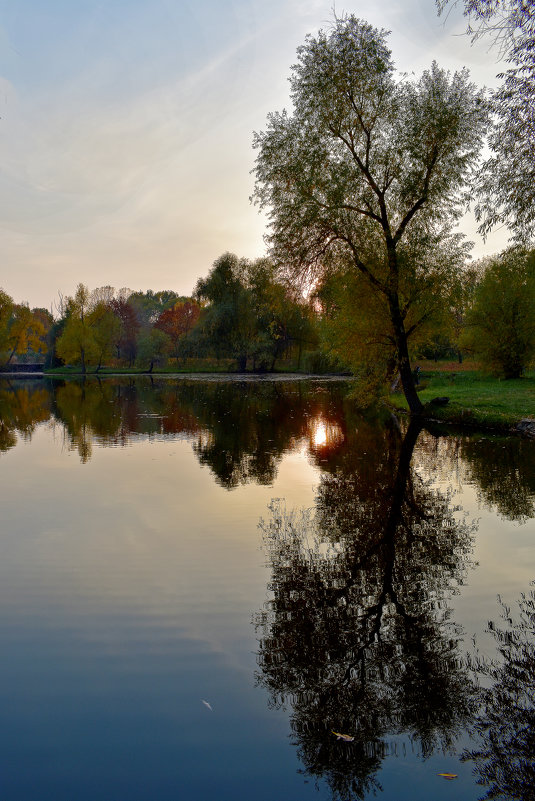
(235,589)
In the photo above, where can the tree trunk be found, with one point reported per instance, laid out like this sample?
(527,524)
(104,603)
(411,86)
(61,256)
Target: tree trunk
(404,364)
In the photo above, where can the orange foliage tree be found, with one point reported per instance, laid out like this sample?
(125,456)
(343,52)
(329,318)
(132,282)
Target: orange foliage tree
(178,322)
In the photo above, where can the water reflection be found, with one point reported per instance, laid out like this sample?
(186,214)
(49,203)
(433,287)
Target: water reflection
(505,759)
(22,407)
(240,430)
(357,638)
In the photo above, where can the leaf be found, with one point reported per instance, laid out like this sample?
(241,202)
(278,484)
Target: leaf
(347,738)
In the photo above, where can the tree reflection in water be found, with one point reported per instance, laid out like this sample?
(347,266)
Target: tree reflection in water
(505,758)
(357,638)
(22,408)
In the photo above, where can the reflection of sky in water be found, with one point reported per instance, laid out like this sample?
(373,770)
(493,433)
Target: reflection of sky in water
(127,589)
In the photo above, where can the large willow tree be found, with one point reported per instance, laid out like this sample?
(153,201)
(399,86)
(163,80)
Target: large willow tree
(366,166)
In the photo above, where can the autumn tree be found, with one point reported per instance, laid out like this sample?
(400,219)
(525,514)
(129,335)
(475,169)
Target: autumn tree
(6,309)
(366,165)
(105,329)
(355,319)
(126,343)
(500,326)
(149,305)
(282,319)
(77,344)
(178,322)
(23,332)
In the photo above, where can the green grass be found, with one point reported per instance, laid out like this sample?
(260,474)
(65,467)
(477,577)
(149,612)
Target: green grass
(476,398)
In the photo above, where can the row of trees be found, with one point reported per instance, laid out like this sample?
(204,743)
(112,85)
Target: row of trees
(243,313)
(240,311)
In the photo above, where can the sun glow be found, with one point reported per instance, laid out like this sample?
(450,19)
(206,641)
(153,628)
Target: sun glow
(319,436)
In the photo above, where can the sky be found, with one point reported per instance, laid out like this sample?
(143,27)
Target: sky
(126,130)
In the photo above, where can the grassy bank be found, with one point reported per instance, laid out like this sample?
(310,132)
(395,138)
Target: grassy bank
(474,397)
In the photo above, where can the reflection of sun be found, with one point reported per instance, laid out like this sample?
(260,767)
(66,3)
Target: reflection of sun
(320,434)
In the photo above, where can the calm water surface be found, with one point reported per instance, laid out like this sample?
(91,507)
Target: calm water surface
(202,581)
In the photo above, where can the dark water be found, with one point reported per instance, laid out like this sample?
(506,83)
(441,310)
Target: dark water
(201,581)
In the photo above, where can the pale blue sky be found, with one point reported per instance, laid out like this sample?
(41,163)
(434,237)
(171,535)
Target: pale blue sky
(126,129)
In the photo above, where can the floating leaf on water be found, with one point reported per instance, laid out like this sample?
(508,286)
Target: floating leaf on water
(207,705)
(448,775)
(347,738)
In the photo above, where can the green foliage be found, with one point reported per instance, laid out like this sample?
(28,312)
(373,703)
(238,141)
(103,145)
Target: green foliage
(6,309)
(153,347)
(369,172)
(149,305)
(77,344)
(248,314)
(356,323)
(106,330)
(506,182)
(319,362)
(501,323)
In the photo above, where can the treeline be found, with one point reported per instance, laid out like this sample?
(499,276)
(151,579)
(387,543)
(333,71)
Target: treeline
(240,313)
(246,318)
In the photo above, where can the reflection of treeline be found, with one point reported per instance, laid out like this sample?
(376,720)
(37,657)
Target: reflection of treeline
(23,405)
(241,429)
(501,468)
(504,757)
(357,638)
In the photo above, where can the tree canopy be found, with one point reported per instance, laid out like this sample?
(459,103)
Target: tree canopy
(367,166)
(501,321)
(506,183)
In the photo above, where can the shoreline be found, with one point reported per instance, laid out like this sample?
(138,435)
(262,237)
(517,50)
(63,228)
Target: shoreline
(475,401)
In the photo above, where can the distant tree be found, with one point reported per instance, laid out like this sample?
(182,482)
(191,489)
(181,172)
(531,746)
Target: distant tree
(282,320)
(228,320)
(149,305)
(24,332)
(126,343)
(6,308)
(105,328)
(178,322)
(153,347)
(77,345)
(506,185)
(500,326)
